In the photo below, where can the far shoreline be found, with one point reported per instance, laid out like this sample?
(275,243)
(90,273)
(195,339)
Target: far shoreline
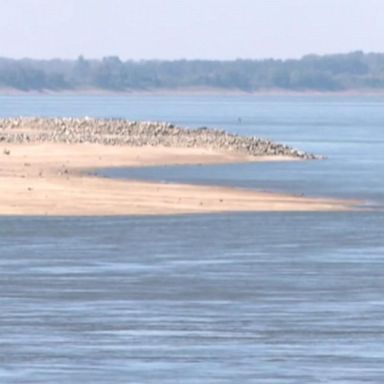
(193,91)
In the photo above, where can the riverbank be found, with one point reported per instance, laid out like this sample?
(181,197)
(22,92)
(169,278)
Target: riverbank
(194,91)
(48,168)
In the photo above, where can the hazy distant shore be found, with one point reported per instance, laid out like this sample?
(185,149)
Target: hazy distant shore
(345,73)
(45,163)
(189,91)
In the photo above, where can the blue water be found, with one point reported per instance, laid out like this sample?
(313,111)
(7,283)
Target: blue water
(230,298)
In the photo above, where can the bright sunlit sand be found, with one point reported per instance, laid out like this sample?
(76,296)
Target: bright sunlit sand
(55,179)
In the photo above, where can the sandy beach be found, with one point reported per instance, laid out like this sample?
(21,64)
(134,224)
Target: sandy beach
(55,179)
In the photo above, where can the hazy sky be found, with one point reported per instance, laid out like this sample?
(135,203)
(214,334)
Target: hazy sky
(170,29)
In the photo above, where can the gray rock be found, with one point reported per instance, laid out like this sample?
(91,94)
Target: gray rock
(124,132)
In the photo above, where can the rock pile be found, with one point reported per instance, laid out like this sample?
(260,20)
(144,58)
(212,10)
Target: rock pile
(133,133)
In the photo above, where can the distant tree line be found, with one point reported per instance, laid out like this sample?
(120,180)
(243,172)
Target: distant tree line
(339,72)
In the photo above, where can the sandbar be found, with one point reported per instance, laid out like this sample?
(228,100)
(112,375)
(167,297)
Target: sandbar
(55,179)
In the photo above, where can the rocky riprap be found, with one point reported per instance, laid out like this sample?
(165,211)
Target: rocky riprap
(134,133)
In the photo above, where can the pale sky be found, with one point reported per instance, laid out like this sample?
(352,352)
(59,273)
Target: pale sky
(174,29)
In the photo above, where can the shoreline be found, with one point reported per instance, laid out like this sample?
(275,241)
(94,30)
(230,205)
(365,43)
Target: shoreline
(195,91)
(48,179)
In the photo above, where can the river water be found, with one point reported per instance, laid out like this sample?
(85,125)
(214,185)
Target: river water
(229,298)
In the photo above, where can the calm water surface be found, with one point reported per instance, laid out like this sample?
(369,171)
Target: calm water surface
(240,298)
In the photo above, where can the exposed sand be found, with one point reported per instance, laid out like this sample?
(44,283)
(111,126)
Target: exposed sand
(50,179)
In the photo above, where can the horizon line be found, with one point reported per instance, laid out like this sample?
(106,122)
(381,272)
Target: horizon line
(357,51)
